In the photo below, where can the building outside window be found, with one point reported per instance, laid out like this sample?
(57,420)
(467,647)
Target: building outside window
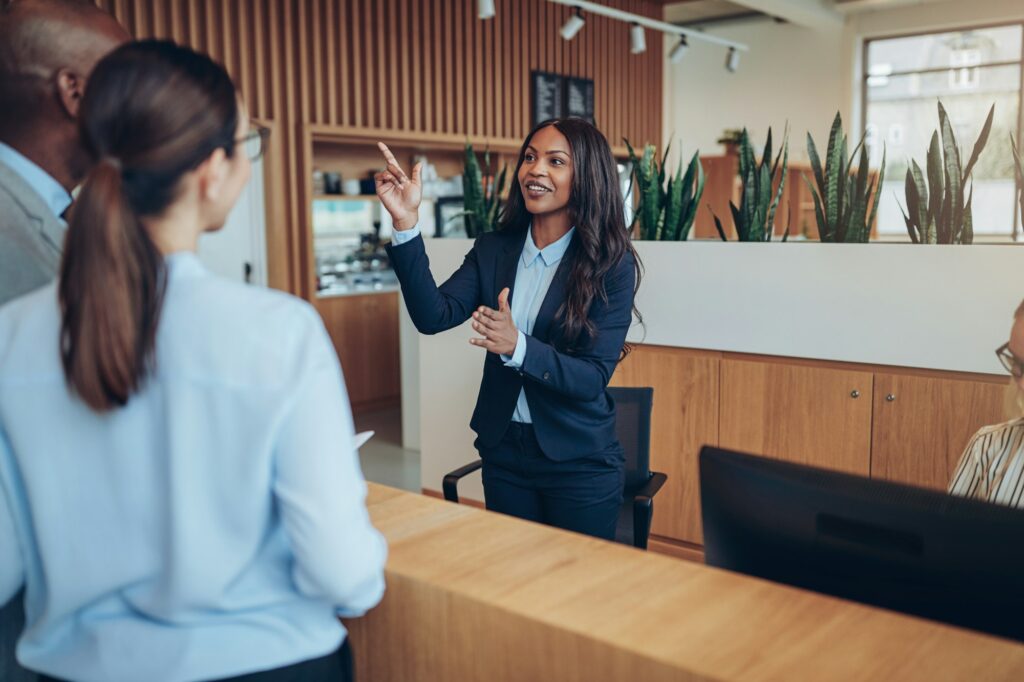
(969,70)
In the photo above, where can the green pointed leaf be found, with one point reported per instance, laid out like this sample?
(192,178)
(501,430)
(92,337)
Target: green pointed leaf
(718,226)
(819,176)
(980,144)
(819,215)
(878,194)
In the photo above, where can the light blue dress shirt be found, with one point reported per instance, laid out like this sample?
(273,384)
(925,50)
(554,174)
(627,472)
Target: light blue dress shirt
(53,193)
(215,525)
(534,274)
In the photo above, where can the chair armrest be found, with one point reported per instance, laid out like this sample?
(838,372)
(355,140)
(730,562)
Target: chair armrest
(651,488)
(451,480)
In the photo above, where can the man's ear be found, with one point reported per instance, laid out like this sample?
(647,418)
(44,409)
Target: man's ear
(70,88)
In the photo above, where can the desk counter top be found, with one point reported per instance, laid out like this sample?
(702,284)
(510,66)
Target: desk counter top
(476,595)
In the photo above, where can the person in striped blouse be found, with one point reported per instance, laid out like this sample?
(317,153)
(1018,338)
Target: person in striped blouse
(992,466)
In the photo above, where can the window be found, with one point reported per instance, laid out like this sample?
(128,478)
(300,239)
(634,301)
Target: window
(969,70)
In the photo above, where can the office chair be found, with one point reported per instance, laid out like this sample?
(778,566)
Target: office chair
(633,429)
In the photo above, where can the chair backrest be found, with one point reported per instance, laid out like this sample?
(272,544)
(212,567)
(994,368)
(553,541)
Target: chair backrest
(633,429)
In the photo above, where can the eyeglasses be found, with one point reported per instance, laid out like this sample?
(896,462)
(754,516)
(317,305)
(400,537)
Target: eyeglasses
(1011,362)
(254,143)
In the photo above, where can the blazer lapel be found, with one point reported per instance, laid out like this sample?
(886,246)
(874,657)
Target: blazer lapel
(555,295)
(507,266)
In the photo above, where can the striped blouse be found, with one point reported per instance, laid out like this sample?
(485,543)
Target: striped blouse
(992,466)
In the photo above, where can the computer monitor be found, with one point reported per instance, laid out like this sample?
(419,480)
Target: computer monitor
(895,546)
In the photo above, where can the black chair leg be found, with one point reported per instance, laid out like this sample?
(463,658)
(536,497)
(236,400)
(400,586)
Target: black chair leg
(643,511)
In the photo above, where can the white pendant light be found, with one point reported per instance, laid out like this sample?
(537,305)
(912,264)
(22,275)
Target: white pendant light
(485,9)
(679,51)
(572,25)
(732,60)
(637,40)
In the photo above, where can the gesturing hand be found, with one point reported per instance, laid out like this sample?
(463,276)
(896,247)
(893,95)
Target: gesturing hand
(496,326)
(400,194)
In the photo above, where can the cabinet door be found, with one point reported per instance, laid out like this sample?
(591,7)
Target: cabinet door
(685,417)
(365,334)
(804,414)
(922,425)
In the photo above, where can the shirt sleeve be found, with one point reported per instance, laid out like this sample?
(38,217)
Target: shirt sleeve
(399,237)
(12,564)
(970,479)
(339,555)
(515,361)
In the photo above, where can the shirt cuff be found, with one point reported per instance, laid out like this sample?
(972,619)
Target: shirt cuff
(399,237)
(516,361)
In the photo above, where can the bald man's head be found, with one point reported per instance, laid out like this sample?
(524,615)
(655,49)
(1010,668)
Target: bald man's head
(48,48)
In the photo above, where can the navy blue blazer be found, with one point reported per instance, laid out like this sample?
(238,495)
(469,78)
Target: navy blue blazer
(573,415)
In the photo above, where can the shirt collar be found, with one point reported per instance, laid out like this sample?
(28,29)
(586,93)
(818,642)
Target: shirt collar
(550,254)
(53,194)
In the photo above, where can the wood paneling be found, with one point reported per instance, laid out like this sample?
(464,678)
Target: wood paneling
(919,435)
(473,595)
(364,330)
(417,67)
(685,417)
(801,414)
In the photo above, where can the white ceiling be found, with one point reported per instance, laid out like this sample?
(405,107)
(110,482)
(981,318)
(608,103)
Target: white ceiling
(813,13)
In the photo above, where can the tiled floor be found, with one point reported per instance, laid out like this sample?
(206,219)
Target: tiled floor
(383,458)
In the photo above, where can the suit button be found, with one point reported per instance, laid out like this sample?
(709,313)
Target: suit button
(547,376)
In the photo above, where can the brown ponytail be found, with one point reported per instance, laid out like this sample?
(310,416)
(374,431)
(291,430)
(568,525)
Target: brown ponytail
(153,111)
(111,289)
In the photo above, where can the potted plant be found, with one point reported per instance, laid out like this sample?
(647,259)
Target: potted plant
(937,212)
(665,211)
(841,198)
(481,200)
(754,219)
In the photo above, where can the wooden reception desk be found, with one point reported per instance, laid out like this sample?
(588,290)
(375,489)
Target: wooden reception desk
(479,596)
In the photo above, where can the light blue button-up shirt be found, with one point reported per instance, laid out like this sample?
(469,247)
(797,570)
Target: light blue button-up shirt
(53,193)
(534,274)
(213,526)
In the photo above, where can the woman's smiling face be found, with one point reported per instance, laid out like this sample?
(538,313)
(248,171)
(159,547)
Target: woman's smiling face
(545,175)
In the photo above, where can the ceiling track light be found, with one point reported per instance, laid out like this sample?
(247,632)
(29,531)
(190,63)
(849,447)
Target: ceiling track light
(573,25)
(732,60)
(679,51)
(485,9)
(637,39)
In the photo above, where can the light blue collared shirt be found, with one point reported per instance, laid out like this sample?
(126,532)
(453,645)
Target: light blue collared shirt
(52,192)
(213,526)
(534,274)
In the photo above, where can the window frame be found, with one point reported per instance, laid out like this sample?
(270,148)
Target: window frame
(1016,235)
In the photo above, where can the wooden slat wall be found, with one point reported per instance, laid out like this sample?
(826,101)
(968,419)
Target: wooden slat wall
(414,70)
(416,66)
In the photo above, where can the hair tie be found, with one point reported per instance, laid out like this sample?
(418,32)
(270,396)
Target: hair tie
(112,161)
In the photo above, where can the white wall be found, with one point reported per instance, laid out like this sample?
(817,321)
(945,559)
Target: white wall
(790,74)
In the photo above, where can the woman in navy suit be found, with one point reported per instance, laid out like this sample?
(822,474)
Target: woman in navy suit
(551,297)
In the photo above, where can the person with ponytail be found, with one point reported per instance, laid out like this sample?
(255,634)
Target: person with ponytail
(551,295)
(180,492)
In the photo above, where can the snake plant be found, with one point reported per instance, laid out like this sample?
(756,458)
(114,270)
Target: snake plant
(480,206)
(665,211)
(841,199)
(1018,168)
(754,220)
(937,212)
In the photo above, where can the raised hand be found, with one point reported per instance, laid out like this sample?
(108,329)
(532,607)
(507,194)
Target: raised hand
(399,193)
(496,327)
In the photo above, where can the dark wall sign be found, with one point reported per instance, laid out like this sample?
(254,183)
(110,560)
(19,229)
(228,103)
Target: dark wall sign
(555,96)
(547,94)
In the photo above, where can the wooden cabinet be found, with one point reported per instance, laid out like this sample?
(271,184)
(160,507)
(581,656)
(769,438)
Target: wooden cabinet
(685,417)
(364,330)
(922,424)
(805,414)
(907,425)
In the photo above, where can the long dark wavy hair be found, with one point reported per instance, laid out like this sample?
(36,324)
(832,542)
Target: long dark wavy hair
(153,111)
(598,213)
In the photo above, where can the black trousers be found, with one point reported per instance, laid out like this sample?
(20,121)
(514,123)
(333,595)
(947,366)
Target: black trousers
(333,667)
(582,495)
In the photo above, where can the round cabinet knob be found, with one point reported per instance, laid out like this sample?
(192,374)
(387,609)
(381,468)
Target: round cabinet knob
(854,394)
(890,398)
